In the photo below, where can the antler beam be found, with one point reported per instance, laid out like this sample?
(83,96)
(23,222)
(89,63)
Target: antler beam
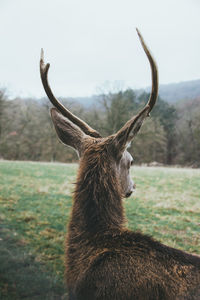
(154,73)
(44,68)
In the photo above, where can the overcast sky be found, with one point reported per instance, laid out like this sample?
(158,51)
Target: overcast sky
(89,42)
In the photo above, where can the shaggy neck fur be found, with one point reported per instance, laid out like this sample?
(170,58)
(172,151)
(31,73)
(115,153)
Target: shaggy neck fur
(97,198)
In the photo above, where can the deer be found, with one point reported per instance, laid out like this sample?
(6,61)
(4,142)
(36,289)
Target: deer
(104,259)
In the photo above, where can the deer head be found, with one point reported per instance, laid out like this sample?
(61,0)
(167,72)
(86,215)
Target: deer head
(74,132)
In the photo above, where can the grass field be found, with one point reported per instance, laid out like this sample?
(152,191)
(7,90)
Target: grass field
(35,202)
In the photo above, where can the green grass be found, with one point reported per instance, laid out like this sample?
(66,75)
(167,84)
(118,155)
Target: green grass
(35,202)
(167,206)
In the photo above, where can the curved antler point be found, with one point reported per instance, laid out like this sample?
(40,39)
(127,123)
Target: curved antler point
(42,54)
(138,32)
(47,67)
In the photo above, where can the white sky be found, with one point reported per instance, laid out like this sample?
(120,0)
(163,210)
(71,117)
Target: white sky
(91,41)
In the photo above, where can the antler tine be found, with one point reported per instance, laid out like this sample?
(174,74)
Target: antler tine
(44,68)
(154,74)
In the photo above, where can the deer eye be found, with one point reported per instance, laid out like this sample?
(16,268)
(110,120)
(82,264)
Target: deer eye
(132,162)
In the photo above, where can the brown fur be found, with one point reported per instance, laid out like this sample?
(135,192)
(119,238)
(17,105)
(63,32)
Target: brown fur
(104,260)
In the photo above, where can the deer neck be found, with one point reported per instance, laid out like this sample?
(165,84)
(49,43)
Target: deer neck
(97,202)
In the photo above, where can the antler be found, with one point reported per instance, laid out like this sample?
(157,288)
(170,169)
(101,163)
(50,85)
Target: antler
(44,68)
(154,74)
(132,126)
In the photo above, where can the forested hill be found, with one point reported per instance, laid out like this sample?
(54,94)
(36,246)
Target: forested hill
(170,136)
(180,91)
(171,93)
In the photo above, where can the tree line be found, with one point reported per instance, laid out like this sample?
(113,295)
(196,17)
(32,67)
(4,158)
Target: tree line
(170,136)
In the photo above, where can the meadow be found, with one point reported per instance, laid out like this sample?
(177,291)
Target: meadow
(35,203)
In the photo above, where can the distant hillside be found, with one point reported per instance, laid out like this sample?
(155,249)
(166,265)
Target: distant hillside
(171,93)
(175,92)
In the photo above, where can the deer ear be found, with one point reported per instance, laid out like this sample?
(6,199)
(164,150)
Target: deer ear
(126,134)
(68,133)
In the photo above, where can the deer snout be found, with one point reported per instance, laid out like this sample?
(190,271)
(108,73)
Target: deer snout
(132,189)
